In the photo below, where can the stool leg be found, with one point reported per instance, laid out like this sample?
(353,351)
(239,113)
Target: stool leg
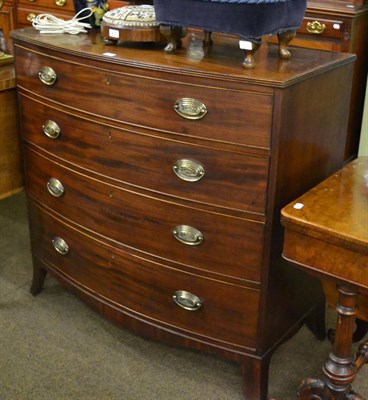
(284,39)
(173,35)
(249,61)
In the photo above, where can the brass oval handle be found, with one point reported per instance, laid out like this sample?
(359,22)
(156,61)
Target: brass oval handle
(30,17)
(51,129)
(189,170)
(188,235)
(316,27)
(187,300)
(60,245)
(47,76)
(60,3)
(190,108)
(55,187)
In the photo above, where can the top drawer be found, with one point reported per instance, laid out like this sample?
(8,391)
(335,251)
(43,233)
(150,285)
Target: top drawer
(233,116)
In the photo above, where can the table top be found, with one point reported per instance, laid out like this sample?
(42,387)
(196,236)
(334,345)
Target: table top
(326,229)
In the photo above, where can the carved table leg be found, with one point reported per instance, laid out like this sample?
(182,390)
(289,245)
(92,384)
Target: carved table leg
(39,276)
(255,375)
(339,369)
(313,389)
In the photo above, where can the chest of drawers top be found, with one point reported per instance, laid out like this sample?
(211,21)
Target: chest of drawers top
(221,65)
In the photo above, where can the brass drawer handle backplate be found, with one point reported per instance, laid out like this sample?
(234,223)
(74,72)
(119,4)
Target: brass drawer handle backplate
(30,17)
(47,76)
(189,170)
(60,3)
(60,245)
(188,235)
(190,108)
(51,129)
(187,300)
(316,27)
(55,187)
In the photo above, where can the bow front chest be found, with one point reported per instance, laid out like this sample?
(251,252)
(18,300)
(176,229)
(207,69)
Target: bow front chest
(155,183)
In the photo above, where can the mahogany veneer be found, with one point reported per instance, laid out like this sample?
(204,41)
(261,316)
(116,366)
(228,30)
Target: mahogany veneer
(135,174)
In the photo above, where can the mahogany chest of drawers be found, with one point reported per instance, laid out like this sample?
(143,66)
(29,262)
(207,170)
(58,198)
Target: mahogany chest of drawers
(155,183)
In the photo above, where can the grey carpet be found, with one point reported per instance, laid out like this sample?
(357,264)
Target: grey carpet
(53,347)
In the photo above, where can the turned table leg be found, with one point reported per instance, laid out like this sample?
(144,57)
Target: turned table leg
(340,368)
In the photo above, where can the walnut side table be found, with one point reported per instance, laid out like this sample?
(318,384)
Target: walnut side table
(326,234)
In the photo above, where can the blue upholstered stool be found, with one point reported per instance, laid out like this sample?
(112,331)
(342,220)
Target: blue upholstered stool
(251,20)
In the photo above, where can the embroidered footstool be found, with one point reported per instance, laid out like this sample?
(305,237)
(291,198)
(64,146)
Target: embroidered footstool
(131,23)
(251,20)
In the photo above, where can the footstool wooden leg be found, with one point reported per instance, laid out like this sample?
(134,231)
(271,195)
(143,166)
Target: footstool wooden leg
(173,35)
(207,41)
(284,39)
(249,61)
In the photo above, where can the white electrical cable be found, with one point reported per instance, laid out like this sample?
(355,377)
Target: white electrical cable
(48,23)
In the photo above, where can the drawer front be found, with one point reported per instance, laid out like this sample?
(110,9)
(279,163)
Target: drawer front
(150,225)
(197,173)
(26,15)
(57,5)
(227,313)
(323,28)
(233,116)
